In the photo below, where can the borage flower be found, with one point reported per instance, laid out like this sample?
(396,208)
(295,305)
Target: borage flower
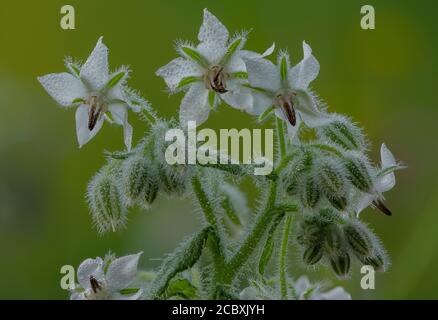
(95,92)
(383,180)
(107,279)
(211,72)
(285,90)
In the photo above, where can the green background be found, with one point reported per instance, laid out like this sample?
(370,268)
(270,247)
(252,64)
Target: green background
(385,79)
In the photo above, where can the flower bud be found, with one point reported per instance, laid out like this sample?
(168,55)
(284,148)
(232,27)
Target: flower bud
(140,180)
(173,179)
(341,264)
(312,255)
(358,239)
(345,134)
(310,233)
(358,173)
(377,260)
(104,199)
(310,193)
(338,202)
(333,240)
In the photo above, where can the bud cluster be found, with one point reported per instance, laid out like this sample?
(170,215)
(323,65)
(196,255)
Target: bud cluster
(335,239)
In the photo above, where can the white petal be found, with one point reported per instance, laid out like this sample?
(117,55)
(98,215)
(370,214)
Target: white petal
(304,72)
(63,87)
(260,102)
(386,182)
(309,113)
(249,293)
(237,100)
(302,285)
(194,106)
(363,202)
(337,293)
(387,157)
(78,296)
(122,271)
(263,74)
(83,133)
(119,111)
(176,70)
(236,64)
(269,51)
(135,296)
(255,55)
(95,70)
(212,30)
(213,52)
(88,268)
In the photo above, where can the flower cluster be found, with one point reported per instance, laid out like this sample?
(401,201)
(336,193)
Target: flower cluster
(323,176)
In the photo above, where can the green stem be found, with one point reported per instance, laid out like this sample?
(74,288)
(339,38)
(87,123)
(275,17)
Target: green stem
(283,256)
(281,139)
(253,238)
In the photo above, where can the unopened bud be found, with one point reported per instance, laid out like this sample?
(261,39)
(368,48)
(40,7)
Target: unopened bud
(341,264)
(173,179)
(312,255)
(358,174)
(310,193)
(333,240)
(377,261)
(104,199)
(338,202)
(345,134)
(358,239)
(140,180)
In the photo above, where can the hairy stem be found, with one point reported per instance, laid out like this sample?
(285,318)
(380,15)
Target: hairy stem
(253,238)
(281,140)
(283,256)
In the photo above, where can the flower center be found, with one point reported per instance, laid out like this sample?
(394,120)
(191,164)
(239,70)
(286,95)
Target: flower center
(283,99)
(215,79)
(95,285)
(97,108)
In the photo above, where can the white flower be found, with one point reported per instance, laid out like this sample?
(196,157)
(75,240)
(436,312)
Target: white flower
(210,72)
(304,290)
(105,279)
(95,92)
(285,89)
(383,181)
(301,289)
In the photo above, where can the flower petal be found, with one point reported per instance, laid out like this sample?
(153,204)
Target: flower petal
(386,182)
(213,52)
(255,55)
(260,102)
(78,296)
(194,106)
(301,285)
(306,106)
(88,268)
(135,296)
(212,30)
(122,271)
(119,112)
(237,100)
(83,133)
(337,293)
(63,87)
(263,74)
(304,72)
(364,201)
(95,70)
(176,70)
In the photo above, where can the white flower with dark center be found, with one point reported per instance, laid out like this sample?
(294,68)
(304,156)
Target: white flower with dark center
(96,93)
(383,181)
(210,72)
(107,279)
(285,90)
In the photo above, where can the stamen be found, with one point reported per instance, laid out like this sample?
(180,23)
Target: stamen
(381,206)
(215,79)
(289,112)
(95,286)
(94,113)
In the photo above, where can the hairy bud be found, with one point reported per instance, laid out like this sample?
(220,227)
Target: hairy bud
(345,134)
(310,193)
(104,198)
(313,255)
(140,180)
(173,179)
(358,239)
(358,173)
(333,240)
(377,260)
(341,264)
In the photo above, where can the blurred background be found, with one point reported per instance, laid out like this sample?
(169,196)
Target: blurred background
(385,79)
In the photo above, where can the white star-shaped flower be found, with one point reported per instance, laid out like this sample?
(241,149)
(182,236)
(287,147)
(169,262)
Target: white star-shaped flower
(285,90)
(95,92)
(106,279)
(210,72)
(383,181)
